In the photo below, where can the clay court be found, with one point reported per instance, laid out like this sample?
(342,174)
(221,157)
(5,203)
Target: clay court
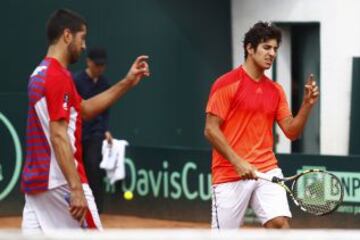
(116,221)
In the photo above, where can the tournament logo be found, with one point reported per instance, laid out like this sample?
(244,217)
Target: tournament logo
(9,175)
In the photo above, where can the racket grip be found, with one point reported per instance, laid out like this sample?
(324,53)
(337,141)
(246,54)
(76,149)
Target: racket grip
(264,176)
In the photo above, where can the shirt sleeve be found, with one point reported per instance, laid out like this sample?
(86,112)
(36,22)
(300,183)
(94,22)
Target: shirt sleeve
(220,99)
(59,97)
(283,110)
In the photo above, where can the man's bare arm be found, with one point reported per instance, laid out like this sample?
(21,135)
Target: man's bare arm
(217,139)
(97,104)
(293,126)
(65,158)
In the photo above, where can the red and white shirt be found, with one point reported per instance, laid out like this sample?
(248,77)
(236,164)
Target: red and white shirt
(52,97)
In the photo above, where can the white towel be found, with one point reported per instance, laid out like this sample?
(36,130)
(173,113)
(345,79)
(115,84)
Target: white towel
(113,160)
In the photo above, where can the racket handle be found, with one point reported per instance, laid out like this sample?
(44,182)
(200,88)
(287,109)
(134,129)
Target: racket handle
(264,176)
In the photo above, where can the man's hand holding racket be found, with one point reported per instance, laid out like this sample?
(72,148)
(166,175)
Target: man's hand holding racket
(245,169)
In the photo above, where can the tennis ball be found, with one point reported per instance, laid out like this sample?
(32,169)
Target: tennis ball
(128,195)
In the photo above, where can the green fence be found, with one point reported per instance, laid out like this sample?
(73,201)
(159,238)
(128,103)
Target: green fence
(189,44)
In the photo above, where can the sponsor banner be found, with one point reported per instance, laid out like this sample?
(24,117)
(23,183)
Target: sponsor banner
(10,167)
(166,183)
(176,184)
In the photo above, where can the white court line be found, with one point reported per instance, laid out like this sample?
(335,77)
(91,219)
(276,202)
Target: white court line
(187,234)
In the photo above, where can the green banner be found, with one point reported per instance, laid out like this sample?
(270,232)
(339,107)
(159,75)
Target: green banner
(176,184)
(9,178)
(163,181)
(166,184)
(11,157)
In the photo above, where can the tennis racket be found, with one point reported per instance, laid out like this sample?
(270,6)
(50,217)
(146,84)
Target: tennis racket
(314,191)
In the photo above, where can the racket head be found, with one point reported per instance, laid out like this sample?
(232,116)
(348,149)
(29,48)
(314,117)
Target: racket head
(317,192)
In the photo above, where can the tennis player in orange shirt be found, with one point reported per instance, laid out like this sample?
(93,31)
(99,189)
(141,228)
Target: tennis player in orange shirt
(242,108)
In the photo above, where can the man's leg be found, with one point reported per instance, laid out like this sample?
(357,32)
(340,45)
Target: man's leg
(270,203)
(278,222)
(92,158)
(229,203)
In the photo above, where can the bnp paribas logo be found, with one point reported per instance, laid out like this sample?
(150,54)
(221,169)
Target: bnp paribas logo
(349,180)
(10,157)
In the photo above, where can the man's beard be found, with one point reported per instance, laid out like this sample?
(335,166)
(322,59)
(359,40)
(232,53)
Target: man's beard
(74,54)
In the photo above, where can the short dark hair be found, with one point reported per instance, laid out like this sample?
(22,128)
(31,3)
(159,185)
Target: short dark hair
(261,32)
(62,19)
(97,55)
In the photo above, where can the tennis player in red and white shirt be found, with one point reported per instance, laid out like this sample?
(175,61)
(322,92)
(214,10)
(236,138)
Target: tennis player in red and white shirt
(57,194)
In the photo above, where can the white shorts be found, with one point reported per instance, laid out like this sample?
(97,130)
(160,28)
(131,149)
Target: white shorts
(230,201)
(50,210)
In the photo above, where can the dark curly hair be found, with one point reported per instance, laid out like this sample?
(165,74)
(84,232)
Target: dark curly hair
(261,32)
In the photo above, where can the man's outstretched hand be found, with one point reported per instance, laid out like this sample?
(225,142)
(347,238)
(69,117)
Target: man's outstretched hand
(311,94)
(138,70)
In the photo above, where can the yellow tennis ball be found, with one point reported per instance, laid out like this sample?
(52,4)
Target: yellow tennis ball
(128,195)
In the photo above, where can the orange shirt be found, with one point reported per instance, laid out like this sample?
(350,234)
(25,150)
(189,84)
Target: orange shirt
(249,109)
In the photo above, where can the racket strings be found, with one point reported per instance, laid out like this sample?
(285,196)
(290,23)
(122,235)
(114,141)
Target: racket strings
(317,192)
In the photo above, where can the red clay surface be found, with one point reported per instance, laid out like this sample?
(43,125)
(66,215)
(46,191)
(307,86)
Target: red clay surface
(116,221)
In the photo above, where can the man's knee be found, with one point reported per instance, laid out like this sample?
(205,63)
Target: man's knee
(278,222)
